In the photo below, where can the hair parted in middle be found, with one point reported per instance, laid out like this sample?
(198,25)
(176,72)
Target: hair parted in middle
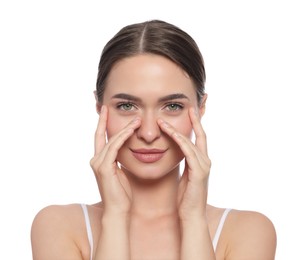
(153,37)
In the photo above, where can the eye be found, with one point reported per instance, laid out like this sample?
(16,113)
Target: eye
(125,106)
(174,107)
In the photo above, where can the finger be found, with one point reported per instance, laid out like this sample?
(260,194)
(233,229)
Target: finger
(191,151)
(196,160)
(109,153)
(100,134)
(187,147)
(201,141)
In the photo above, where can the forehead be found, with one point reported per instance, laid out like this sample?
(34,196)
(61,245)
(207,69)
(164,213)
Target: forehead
(148,75)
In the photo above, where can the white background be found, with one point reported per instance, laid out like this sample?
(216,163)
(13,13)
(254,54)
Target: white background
(256,61)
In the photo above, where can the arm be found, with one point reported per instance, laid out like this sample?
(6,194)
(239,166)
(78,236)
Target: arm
(192,192)
(196,240)
(114,190)
(252,236)
(51,236)
(114,239)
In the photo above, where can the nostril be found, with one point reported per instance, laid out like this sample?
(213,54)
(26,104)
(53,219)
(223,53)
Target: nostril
(148,130)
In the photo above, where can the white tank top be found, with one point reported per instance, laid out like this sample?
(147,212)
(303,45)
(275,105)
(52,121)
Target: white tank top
(90,235)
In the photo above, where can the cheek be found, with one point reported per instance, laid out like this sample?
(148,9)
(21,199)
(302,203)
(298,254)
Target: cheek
(183,125)
(115,125)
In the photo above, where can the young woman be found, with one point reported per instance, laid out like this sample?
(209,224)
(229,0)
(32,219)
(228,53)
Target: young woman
(150,99)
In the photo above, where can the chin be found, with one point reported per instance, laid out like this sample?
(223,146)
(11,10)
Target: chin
(150,172)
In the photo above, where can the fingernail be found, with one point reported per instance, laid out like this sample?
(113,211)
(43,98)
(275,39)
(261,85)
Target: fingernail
(165,124)
(130,130)
(160,121)
(175,134)
(195,111)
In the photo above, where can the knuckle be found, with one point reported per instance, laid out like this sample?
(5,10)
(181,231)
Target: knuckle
(206,167)
(92,161)
(112,147)
(209,162)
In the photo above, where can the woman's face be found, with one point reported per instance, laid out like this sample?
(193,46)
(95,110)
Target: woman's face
(150,87)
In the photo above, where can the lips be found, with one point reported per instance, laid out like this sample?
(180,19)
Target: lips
(148,155)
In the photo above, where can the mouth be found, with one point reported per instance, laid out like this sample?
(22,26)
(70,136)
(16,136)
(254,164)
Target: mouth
(148,155)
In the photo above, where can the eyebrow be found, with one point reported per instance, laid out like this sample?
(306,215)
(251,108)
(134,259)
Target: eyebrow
(162,99)
(127,97)
(173,96)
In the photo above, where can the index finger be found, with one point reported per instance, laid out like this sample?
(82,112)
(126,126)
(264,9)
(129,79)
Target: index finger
(201,141)
(100,133)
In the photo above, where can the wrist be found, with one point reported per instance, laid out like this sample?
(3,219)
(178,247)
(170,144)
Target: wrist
(114,237)
(196,216)
(196,241)
(195,223)
(116,218)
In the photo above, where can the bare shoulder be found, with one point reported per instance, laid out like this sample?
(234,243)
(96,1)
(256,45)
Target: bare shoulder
(54,234)
(251,235)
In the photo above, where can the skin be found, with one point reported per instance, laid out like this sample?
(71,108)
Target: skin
(149,211)
(159,79)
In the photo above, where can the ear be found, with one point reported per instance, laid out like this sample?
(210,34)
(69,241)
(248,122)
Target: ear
(202,105)
(98,104)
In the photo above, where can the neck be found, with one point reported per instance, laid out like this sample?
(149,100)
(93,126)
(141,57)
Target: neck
(154,198)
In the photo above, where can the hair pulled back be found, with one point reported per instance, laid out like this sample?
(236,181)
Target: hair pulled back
(153,37)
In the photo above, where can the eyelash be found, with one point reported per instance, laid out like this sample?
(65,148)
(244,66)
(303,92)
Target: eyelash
(121,105)
(178,106)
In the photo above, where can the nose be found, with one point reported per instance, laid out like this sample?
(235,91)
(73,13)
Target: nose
(149,130)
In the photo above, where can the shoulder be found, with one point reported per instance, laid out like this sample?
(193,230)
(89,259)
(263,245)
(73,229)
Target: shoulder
(54,234)
(56,210)
(250,235)
(56,216)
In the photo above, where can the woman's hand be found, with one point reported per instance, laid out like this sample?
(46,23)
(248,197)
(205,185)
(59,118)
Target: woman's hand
(192,191)
(113,185)
(193,186)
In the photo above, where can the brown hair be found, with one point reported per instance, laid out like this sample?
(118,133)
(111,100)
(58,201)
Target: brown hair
(155,37)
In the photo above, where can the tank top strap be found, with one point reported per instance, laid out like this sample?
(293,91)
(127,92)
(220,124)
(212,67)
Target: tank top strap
(88,227)
(220,227)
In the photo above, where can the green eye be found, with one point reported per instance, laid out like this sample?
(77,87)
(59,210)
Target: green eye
(174,107)
(125,106)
